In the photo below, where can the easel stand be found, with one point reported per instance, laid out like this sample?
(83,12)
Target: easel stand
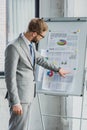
(60,116)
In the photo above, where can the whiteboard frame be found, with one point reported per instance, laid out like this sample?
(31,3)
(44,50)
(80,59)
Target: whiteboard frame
(69,24)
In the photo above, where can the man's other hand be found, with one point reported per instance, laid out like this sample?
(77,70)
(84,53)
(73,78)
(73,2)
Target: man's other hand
(17,109)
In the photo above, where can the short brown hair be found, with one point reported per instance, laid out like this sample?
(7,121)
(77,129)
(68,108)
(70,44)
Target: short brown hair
(37,25)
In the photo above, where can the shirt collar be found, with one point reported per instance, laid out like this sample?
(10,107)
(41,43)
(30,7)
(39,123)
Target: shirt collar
(26,40)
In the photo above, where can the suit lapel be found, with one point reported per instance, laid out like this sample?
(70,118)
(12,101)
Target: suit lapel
(26,49)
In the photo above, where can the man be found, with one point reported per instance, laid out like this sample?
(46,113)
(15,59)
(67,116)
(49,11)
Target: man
(19,72)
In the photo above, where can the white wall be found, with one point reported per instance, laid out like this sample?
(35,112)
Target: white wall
(68,8)
(80,8)
(75,8)
(51,8)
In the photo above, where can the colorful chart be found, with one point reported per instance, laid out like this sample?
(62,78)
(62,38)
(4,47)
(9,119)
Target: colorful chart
(61,42)
(50,73)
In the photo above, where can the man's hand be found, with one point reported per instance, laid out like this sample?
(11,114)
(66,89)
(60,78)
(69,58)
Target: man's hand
(63,72)
(17,109)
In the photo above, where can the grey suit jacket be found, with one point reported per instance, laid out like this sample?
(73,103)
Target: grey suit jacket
(19,72)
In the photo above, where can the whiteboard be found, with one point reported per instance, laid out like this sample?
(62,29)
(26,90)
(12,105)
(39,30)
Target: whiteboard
(68,25)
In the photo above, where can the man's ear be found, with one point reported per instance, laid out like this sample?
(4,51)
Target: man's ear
(34,34)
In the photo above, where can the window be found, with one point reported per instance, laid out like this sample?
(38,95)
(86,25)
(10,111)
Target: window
(19,14)
(2,33)
(14,18)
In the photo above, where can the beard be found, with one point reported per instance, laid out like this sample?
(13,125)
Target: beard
(35,40)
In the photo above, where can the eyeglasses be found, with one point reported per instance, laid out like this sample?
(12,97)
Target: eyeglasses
(41,35)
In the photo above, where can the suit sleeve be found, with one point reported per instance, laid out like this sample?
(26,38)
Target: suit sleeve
(11,61)
(40,60)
